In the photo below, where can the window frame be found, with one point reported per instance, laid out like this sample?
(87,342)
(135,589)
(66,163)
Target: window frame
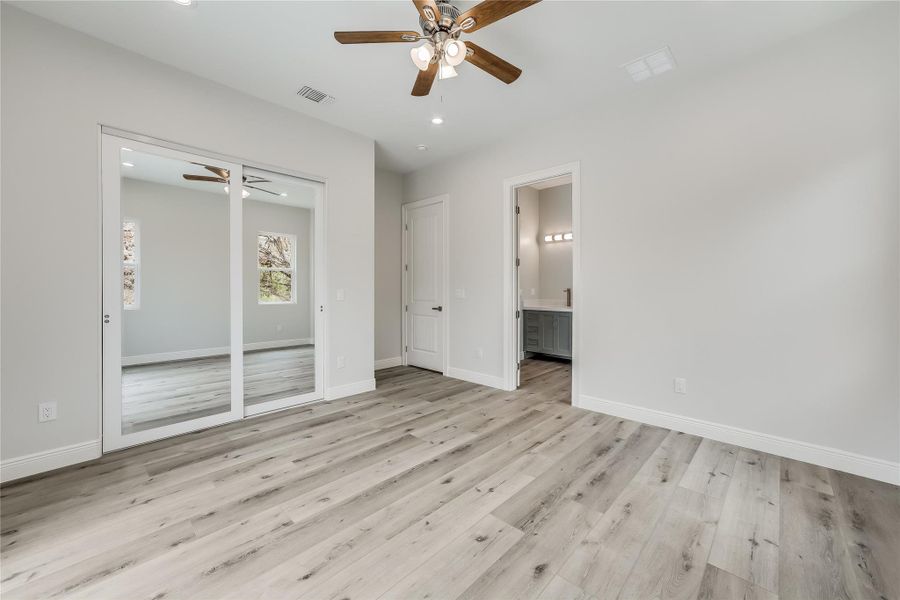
(135,264)
(293,270)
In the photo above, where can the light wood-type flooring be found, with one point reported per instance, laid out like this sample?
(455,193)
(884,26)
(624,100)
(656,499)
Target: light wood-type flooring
(436,488)
(159,394)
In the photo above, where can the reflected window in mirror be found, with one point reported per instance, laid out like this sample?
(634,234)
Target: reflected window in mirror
(277,264)
(131,266)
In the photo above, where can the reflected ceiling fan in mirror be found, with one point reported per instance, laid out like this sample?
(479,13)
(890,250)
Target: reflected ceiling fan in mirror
(442,25)
(222,176)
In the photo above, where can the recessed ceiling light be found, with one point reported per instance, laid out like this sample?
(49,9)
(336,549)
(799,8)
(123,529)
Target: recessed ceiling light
(655,63)
(283,195)
(421,147)
(184,2)
(127,164)
(436,120)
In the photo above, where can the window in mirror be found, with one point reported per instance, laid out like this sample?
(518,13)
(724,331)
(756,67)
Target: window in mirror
(130,264)
(276,263)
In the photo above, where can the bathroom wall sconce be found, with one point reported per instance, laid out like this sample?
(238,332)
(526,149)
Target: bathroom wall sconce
(558,237)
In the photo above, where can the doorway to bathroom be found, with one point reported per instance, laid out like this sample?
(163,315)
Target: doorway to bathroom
(541,288)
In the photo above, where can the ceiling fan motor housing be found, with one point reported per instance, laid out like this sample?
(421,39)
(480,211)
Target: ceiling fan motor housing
(447,19)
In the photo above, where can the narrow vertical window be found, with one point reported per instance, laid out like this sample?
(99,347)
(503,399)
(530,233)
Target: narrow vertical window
(277,262)
(131,265)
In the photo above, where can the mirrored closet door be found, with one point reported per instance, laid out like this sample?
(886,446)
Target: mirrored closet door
(210,309)
(172,355)
(281,314)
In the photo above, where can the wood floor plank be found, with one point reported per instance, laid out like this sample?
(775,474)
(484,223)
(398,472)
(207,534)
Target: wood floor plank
(448,573)
(867,516)
(812,543)
(722,585)
(747,538)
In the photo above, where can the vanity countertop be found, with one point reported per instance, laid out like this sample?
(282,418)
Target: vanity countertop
(547,308)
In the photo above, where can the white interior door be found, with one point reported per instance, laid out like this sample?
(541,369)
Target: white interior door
(172,304)
(424,284)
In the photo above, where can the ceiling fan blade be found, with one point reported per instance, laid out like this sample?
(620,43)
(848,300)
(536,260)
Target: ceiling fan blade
(425,80)
(204,178)
(490,11)
(223,173)
(260,189)
(428,6)
(375,37)
(492,64)
(255,179)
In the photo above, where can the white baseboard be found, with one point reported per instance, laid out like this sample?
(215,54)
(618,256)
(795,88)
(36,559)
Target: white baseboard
(145,359)
(350,389)
(48,460)
(832,458)
(387,363)
(476,377)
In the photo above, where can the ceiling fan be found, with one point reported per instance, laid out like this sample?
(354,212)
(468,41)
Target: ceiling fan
(222,176)
(442,24)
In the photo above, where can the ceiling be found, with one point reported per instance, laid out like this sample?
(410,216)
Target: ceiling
(570,53)
(168,171)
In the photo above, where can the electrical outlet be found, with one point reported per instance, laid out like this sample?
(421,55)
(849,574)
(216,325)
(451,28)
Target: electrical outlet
(680,385)
(46,412)
(341,363)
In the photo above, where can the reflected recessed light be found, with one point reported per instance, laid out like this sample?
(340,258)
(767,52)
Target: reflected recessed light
(127,150)
(436,120)
(567,236)
(127,164)
(283,195)
(184,2)
(421,147)
(557,237)
(548,238)
(244,193)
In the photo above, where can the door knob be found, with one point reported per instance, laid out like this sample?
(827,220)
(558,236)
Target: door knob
(437,308)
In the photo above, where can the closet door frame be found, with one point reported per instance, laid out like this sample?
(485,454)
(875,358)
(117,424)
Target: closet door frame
(111,294)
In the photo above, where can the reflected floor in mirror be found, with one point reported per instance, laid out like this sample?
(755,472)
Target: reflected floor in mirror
(160,394)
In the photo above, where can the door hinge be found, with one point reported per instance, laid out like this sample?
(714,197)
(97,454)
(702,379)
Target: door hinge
(406,308)
(517,314)
(517,209)
(518,262)
(406,267)
(406,348)
(405,227)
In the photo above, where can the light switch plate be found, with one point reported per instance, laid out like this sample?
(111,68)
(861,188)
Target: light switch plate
(680,385)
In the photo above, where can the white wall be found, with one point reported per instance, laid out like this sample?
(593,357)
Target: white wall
(555,206)
(739,230)
(57,87)
(388,257)
(529,243)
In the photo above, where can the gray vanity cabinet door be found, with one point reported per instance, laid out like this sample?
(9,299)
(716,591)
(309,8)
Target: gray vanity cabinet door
(532,331)
(548,333)
(564,334)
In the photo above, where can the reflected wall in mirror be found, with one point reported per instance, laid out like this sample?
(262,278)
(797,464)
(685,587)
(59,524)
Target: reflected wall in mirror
(279,321)
(175,296)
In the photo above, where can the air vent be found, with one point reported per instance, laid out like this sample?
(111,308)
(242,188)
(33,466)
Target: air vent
(651,64)
(315,95)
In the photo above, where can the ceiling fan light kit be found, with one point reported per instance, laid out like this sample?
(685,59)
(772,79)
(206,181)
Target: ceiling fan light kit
(442,24)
